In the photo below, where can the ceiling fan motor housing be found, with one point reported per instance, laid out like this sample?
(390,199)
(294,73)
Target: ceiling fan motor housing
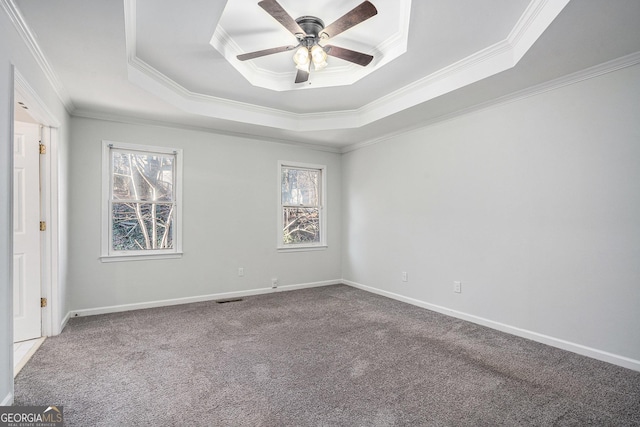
(312,26)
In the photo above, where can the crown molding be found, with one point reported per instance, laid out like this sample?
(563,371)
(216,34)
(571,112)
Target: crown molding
(567,80)
(130,37)
(533,22)
(489,61)
(152,80)
(494,59)
(37,107)
(116,118)
(30,40)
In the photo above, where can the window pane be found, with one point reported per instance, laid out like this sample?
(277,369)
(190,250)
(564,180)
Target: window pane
(301,225)
(141,226)
(140,176)
(300,187)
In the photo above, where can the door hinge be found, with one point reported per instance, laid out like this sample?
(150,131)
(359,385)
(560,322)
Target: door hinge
(43,226)
(43,148)
(43,302)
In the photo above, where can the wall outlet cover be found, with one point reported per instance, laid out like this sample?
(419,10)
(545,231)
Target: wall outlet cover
(457,287)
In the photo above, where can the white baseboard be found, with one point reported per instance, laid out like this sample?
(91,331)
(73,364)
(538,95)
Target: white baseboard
(534,336)
(188,300)
(65,321)
(7,401)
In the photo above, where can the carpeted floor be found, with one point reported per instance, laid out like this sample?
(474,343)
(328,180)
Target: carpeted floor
(331,356)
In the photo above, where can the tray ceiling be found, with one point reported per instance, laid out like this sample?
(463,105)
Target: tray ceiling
(452,48)
(153,61)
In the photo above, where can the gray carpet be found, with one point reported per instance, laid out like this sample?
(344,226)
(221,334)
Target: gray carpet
(331,356)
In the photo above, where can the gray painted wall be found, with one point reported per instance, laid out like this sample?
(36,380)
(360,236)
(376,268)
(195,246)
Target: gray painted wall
(534,205)
(14,52)
(229,208)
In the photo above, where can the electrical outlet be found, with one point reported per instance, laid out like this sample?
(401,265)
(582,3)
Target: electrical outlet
(274,282)
(240,271)
(405,276)
(457,287)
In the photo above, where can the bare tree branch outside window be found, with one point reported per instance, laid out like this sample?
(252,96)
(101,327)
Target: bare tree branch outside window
(142,200)
(300,205)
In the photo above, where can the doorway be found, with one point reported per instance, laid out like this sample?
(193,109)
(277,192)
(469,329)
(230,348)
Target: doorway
(36,253)
(29,108)
(27,255)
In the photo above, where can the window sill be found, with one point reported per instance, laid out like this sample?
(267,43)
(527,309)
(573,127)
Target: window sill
(302,248)
(141,257)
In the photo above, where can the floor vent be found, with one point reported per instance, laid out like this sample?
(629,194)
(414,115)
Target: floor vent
(224,301)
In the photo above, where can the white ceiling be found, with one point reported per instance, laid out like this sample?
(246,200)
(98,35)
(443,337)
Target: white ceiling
(245,27)
(152,61)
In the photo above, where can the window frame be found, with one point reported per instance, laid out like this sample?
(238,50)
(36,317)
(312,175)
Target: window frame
(108,254)
(322,208)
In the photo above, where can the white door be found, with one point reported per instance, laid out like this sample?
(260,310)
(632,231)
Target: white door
(26,232)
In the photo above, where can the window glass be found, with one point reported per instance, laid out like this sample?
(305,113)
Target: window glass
(142,176)
(301,210)
(141,212)
(300,187)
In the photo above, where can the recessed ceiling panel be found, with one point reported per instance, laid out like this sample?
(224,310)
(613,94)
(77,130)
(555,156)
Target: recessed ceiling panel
(154,58)
(247,27)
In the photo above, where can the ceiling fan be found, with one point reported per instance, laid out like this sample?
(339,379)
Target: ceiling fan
(310,32)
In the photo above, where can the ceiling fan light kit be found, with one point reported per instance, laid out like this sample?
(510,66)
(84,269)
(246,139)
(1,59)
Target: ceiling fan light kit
(301,58)
(310,32)
(319,57)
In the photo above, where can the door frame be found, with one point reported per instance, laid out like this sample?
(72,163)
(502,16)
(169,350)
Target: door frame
(49,205)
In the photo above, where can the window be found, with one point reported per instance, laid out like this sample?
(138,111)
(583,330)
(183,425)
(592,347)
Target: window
(141,202)
(301,218)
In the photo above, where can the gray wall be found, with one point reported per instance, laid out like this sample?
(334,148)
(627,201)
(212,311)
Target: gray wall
(534,205)
(14,52)
(229,209)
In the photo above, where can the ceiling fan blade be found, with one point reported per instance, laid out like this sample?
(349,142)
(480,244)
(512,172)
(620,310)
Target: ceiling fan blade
(273,8)
(348,55)
(358,14)
(265,52)
(302,76)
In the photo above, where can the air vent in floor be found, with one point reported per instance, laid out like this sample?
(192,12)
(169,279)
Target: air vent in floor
(224,301)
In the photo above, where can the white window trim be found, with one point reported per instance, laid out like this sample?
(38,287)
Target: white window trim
(107,254)
(281,247)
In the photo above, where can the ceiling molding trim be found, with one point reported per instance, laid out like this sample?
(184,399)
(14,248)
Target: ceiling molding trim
(90,114)
(394,46)
(225,45)
(534,21)
(37,108)
(151,80)
(469,70)
(497,58)
(30,40)
(478,66)
(130,33)
(336,75)
(262,77)
(570,79)
(489,61)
